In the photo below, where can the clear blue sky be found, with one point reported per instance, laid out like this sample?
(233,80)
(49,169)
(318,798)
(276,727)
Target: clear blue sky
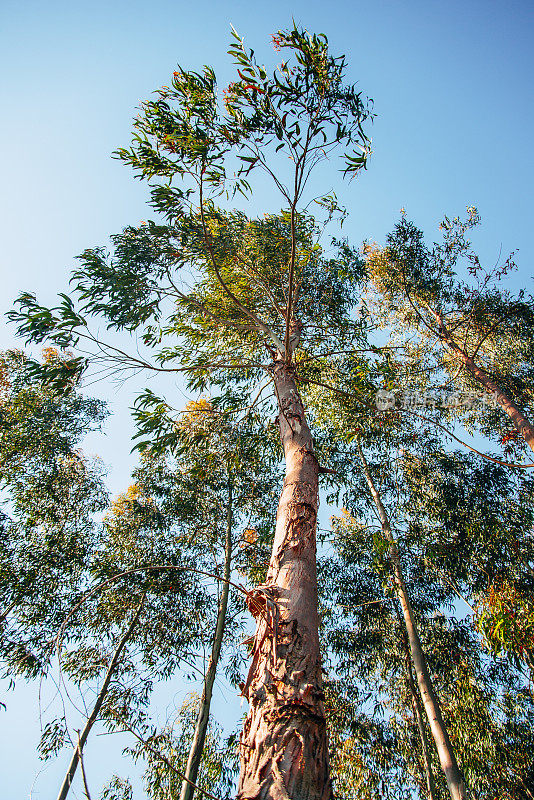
(452,85)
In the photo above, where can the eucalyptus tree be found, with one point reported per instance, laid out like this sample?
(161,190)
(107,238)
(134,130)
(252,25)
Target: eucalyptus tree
(485,704)
(460,324)
(349,423)
(230,471)
(260,293)
(447,757)
(50,495)
(446,525)
(120,639)
(55,555)
(181,523)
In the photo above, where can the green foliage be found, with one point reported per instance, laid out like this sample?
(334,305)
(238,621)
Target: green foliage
(50,496)
(302,110)
(222,297)
(261,287)
(364,759)
(442,304)
(505,617)
(166,752)
(118,789)
(459,522)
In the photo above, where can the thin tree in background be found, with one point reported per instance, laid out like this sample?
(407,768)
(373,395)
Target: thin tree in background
(473,331)
(447,757)
(77,755)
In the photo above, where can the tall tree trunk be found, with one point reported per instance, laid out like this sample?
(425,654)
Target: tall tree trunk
(508,405)
(447,759)
(418,713)
(7,612)
(284,752)
(69,777)
(197,745)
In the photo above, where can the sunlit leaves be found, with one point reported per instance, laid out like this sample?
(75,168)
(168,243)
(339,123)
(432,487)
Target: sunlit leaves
(505,616)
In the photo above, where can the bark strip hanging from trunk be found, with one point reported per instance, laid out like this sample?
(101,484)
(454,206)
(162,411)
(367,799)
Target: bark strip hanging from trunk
(82,738)
(199,736)
(447,758)
(284,752)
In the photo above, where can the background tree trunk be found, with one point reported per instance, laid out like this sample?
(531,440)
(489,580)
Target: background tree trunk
(447,758)
(509,407)
(82,738)
(197,745)
(284,752)
(517,416)
(418,713)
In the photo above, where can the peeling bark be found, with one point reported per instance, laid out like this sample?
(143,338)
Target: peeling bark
(284,751)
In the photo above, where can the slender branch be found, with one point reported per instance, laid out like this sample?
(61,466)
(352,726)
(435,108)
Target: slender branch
(9,609)
(488,333)
(82,767)
(417,312)
(459,595)
(263,284)
(135,570)
(433,422)
(67,782)
(289,308)
(221,321)
(165,760)
(261,325)
(473,449)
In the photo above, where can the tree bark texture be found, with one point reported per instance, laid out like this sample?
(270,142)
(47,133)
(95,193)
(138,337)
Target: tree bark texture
(284,751)
(82,738)
(418,714)
(509,407)
(516,414)
(447,758)
(199,736)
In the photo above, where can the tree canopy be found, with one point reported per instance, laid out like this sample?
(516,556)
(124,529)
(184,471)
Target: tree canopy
(387,654)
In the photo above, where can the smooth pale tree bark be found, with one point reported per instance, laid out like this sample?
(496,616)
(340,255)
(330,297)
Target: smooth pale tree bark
(82,769)
(447,758)
(517,416)
(418,713)
(82,738)
(4,614)
(199,736)
(284,752)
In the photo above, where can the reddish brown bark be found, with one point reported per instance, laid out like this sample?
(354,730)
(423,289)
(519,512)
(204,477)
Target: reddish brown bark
(284,752)
(516,414)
